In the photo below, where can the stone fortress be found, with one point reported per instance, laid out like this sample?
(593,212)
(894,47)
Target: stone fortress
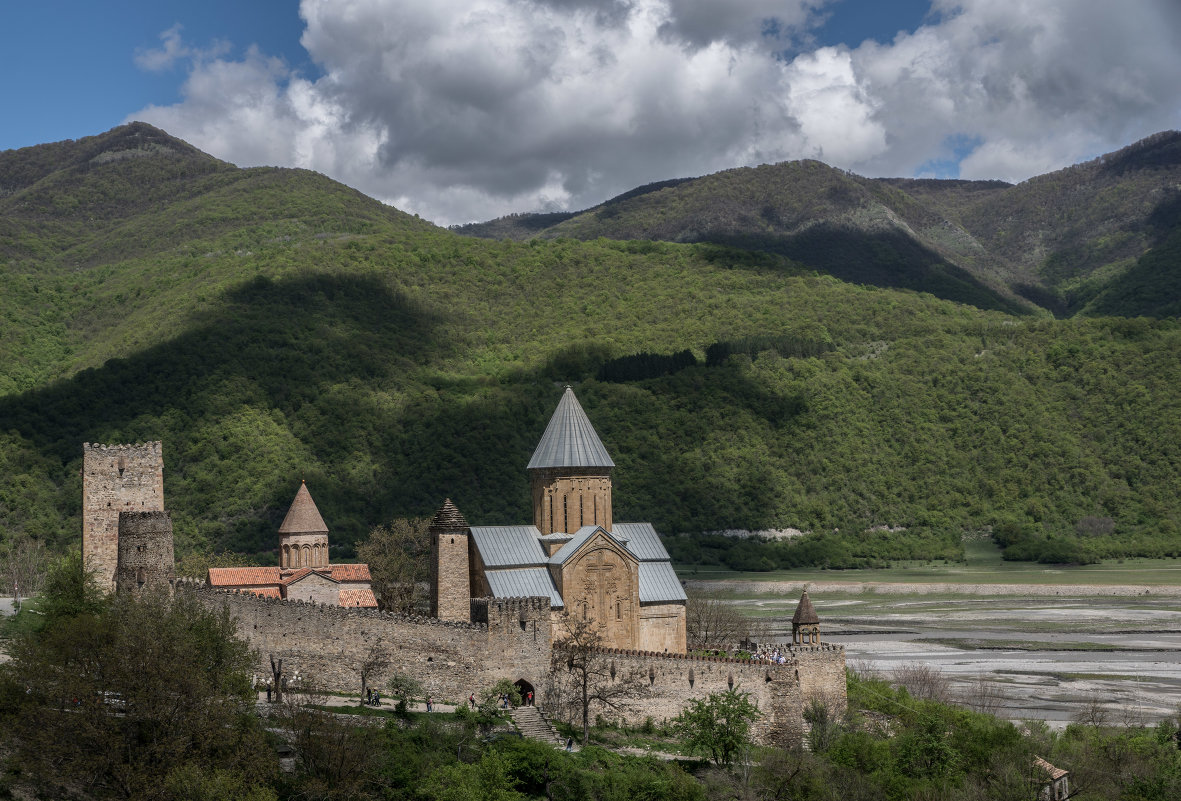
(501,596)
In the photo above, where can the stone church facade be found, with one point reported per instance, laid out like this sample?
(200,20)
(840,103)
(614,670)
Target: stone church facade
(618,576)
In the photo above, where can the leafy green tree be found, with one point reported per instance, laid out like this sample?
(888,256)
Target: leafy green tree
(397,555)
(404,688)
(108,699)
(718,725)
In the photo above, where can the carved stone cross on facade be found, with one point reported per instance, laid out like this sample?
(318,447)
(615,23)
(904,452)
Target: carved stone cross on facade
(599,572)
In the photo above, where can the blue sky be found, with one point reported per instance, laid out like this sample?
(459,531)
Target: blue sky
(466,109)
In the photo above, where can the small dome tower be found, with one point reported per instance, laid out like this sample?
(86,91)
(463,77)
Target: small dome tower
(303,537)
(805,624)
(570,473)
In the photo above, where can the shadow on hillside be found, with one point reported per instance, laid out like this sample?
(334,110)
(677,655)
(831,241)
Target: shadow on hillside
(887,260)
(277,344)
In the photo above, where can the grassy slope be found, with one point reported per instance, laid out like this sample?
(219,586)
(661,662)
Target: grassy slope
(271,325)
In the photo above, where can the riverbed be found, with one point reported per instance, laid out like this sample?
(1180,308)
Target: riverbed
(1029,655)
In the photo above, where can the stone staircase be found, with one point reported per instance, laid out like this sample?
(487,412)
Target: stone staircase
(532,724)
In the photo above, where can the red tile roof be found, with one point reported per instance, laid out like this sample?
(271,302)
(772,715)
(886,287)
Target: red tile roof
(1054,773)
(242,576)
(362,598)
(265,592)
(351,572)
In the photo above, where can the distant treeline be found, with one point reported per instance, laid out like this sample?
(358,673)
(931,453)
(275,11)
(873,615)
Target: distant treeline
(642,366)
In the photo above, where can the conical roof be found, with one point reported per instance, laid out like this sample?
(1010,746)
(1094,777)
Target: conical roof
(805,613)
(303,517)
(570,439)
(448,517)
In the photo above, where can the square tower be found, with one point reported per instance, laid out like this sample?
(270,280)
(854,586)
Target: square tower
(451,594)
(116,478)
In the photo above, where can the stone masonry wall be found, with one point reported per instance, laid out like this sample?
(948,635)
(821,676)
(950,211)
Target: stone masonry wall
(510,639)
(450,585)
(781,692)
(326,644)
(116,478)
(145,556)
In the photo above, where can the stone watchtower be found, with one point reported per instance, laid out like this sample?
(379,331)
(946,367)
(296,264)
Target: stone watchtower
(116,478)
(303,537)
(805,623)
(451,596)
(570,473)
(146,557)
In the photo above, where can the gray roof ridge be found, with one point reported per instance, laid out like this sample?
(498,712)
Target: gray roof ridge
(569,439)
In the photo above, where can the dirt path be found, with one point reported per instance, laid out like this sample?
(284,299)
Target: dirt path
(748,587)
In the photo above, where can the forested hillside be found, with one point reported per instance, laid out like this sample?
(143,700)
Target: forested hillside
(1092,239)
(271,325)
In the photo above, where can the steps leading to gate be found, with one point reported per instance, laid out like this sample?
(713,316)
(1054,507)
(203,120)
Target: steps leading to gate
(532,724)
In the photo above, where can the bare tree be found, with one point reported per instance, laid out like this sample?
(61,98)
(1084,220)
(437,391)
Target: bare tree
(586,676)
(375,661)
(23,564)
(982,695)
(711,622)
(398,556)
(923,681)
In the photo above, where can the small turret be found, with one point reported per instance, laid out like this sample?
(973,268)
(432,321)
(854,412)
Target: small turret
(303,537)
(451,595)
(805,624)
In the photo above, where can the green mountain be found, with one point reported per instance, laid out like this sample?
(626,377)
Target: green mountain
(271,325)
(1087,239)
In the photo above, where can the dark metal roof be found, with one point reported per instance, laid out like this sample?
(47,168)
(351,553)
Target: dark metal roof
(578,540)
(642,540)
(658,582)
(524,582)
(570,439)
(509,546)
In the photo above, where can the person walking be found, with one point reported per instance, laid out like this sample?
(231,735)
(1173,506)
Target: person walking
(428,703)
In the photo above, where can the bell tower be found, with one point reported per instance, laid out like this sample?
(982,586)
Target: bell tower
(570,473)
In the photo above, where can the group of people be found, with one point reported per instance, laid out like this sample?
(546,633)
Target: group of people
(773,656)
(373,698)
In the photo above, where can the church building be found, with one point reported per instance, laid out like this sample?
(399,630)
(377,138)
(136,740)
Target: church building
(303,573)
(618,575)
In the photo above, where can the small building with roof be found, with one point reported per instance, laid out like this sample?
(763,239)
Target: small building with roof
(304,572)
(805,623)
(618,575)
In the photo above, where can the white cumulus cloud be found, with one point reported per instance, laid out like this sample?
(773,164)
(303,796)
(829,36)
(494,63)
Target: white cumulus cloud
(466,109)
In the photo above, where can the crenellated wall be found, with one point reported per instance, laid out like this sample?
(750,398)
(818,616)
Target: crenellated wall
(326,644)
(510,639)
(781,691)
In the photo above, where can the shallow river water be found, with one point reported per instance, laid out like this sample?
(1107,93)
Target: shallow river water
(1030,658)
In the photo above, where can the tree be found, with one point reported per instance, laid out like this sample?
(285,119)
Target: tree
(22,566)
(398,557)
(710,622)
(584,675)
(375,661)
(106,701)
(335,758)
(404,688)
(718,725)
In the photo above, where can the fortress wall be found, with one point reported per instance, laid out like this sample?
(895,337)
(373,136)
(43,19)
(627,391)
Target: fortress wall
(822,675)
(326,644)
(781,692)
